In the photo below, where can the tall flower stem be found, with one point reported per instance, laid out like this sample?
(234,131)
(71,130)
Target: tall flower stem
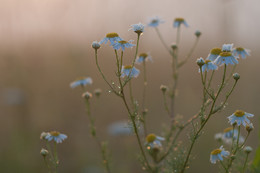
(144,112)
(244,167)
(162,40)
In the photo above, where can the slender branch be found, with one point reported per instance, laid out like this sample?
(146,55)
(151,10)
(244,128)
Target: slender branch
(162,40)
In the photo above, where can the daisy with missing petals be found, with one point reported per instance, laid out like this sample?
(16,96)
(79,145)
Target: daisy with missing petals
(143,57)
(214,53)
(208,66)
(178,21)
(241,52)
(218,154)
(153,141)
(155,21)
(56,136)
(225,58)
(240,117)
(112,37)
(82,81)
(123,44)
(127,69)
(137,28)
(227,47)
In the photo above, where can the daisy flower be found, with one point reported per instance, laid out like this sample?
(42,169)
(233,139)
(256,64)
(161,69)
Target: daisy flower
(155,21)
(138,28)
(227,47)
(82,81)
(240,117)
(143,57)
(112,37)
(56,136)
(218,154)
(153,141)
(225,58)
(123,44)
(178,21)
(208,66)
(127,69)
(241,52)
(229,133)
(214,53)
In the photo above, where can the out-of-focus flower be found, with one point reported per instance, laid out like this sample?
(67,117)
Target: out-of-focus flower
(143,57)
(241,52)
(155,21)
(208,66)
(123,44)
(218,137)
(153,141)
(240,117)
(249,127)
(126,70)
(137,28)
(56,136)
(95,45)
(229,133)
(112,37)
(82,81)
(97,92)
(44,152)
(87,95)
(218,154)
(43,135)
(214,53)
(248,149)
(178,21)
(227,47)
(120,128)
(225,58)
(198,33)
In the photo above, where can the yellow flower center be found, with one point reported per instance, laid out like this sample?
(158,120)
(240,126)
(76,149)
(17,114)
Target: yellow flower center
(207,61)
(123,42)
(239,113)
(151,137)
(127,67)
(215,51)
(225,54)
(154,21)
(143,55)
(112,35)
(228,129)
(54,133)
(179,19)
(216,151)
(240,49)
(80,78)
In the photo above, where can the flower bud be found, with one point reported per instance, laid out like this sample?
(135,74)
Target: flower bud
(97,92)
(174,46)
(198,33)
(200,62)
(163,88)
(236,76)
(95,45)
(249,127)
(87,95)
(43,135)
(44,152)
(248,149)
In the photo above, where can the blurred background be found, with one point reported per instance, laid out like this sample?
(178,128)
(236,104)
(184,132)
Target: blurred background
(45,45)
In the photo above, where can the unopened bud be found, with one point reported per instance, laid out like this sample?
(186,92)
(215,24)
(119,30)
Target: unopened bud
(97,92)
(95,45)
(174,46)
(87,95)
(198,33)
(236,76)
(200,62)
(249,127)
(248,149)
(44,152)
(43,135)
(163,88)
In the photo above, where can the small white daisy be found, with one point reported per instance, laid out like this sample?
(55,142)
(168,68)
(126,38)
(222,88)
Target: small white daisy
(208,66)
(214,53)
(138,28)
(143,57)
(229,133)
(155,21)
(127,69)
(123,44)
(112,37)
(225,58)
(240,117)
(153,141)
(82,81)
(241,52)
(227,47)
(218,154)
(178,21)
(56,136)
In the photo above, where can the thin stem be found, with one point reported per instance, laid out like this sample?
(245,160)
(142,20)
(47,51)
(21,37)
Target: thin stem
(131,93)
(145,85)
(162,40)
(165,104)
(223,166)
(210,80)
(244,167)
(46,163)
(233,70)
(56,157)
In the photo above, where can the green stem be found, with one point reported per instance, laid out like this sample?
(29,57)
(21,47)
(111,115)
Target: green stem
(162,40)
(210,80)
(131,93)
(56,159)
(48,166)
(165,104)
(244,167)
(223,166)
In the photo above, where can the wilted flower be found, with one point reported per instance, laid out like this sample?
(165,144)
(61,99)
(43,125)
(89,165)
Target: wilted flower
(155,21)
(225,58)
(214,53)
(240,117)
(112,37)
(56,136)
(218,154)
(143,57)
(138,28)
(208,66)
(123,44)
(241,52)
(127,69)
(82,81)
(178,21)
(153,141)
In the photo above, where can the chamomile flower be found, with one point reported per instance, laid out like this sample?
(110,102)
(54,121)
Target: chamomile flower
(240,117)
(123,44)
(155,21)
(153,141)
(126,70)
(208,66)
(137,28)
(178,21)
(225,58)
(229,133)
(227,47)
(241,52)
(112,37)
(218,154)
(143,57)
(218,137)
(82,81)
(214,53)
(56,136)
